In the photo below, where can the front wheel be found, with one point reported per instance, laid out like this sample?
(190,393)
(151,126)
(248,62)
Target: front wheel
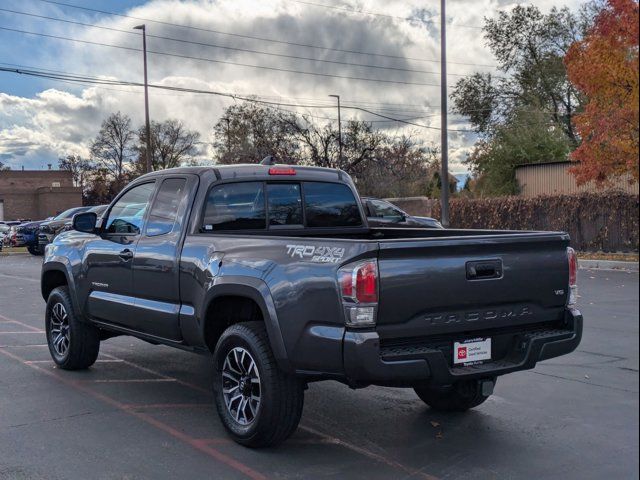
(36,250)
(73,344)
(456,398)
(259,405)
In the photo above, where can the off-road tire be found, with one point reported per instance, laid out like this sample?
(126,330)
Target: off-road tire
(281,394)
(456,398)
(83,338)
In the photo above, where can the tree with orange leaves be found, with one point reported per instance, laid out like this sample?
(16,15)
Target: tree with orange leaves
(604,68)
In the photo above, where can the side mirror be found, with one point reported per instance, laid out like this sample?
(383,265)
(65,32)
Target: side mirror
(85,222)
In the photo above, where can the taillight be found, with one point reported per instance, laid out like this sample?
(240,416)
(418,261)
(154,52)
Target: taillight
(572,258)
(359,289)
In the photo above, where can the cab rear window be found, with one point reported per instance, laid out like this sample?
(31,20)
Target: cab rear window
(277,205)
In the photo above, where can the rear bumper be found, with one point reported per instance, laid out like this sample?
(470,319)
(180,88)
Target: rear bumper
(368,361)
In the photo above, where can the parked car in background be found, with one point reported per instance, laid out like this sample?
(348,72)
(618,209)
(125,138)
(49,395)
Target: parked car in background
(4,234)
(381,213)
(48,230)
(98,210)
(15,239)
(29,235)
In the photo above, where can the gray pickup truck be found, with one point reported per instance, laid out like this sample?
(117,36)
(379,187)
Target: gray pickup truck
(274,272)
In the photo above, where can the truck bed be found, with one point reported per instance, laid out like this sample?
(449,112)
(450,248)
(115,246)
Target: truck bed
(427,286)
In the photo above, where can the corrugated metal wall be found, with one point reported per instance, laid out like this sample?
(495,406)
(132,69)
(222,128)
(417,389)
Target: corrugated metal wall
(555,179)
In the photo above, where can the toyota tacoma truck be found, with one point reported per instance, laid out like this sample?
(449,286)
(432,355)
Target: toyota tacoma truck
(274,272)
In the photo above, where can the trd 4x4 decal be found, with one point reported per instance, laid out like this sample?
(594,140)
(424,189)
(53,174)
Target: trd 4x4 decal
(312,253)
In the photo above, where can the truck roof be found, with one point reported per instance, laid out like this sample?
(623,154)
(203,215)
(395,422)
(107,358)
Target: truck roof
(259,172)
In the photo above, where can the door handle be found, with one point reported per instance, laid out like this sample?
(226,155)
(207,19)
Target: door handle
(126,254)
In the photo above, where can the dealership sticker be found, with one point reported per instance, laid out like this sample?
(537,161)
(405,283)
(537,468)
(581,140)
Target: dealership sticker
(472,351)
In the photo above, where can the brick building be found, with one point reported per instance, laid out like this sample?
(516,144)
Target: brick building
(36,194)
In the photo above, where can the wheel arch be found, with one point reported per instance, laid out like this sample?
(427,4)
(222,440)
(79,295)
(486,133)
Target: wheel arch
(237,300)
(53,276)
(56,274)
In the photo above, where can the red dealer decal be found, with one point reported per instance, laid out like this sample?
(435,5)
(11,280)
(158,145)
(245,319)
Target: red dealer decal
(462,353)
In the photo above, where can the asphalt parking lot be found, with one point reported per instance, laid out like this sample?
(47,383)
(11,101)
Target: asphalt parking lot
(145,412)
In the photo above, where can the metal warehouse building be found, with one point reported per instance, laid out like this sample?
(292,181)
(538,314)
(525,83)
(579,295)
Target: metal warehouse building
(36,194)
(554,179)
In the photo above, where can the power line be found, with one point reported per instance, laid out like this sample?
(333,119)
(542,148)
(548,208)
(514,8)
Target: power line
(89,80)
(353,101)
(75,82)
(251,37)
(378,14)
(280,100)
(354,10)
(270,97)
(190,57)
(274,98)
(226,47)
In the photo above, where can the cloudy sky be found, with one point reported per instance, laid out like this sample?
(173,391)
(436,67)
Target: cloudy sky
(380,55)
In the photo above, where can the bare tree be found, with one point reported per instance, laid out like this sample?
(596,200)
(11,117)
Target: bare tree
(247,133)
(381,164)
(79,168)
(113,147)
(399,167)
(100,188)
(171,144)
(360,141)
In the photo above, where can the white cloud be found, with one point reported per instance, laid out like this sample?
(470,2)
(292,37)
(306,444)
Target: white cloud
(57,121)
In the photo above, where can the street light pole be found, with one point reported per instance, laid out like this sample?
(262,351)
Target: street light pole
(146,97)
(339,128)
(444,140)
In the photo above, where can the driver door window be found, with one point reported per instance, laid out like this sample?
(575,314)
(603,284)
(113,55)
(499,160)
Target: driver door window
(127,215)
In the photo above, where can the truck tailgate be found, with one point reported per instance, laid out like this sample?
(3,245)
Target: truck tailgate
(464,284)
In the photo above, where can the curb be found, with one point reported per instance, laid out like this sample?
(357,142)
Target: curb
(608,265)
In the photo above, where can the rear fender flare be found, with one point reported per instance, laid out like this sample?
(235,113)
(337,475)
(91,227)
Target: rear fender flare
(258,291)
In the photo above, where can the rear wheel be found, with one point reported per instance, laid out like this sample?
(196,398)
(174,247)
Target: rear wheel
(259,404)
(73,344)
(455,398)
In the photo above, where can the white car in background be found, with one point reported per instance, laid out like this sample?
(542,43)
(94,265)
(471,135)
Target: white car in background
(4,235)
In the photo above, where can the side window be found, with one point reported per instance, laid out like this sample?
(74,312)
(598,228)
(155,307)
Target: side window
(162,216)
(127,214)
(385,210)
(285,204)
(330,205)
(235,206)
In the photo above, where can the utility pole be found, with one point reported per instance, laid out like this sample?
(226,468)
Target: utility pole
(146,97)
(444,141)
(339,129)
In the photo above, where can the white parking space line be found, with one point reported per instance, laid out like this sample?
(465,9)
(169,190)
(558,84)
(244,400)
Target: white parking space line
(25,325)
(30,331)
(34,280)
(130,380)
(29,362)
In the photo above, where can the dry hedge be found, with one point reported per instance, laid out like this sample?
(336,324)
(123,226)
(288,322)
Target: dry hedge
(606,221)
